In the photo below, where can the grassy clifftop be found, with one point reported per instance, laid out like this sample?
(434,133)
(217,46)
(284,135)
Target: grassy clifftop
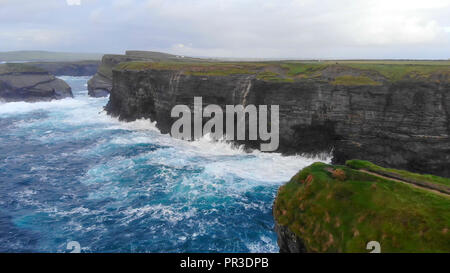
(352,73)
(340,209)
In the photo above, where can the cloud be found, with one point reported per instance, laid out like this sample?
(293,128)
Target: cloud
(32,36)
(73,2)
(238,28)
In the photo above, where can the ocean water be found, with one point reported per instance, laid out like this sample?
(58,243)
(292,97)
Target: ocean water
(69,172)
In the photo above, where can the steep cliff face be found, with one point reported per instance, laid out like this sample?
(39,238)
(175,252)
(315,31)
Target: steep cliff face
(22,82)
(403,124)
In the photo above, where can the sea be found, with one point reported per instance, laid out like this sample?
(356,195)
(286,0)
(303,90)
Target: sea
(71,173)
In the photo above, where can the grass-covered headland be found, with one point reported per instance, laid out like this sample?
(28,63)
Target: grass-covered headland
(341,208)
(349,73)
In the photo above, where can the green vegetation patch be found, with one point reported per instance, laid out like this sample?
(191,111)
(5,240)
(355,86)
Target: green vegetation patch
(395,71)
(349,80)
(339,209)
(266,71)
(203,69)
(288,71)
(366,165)
(304,70)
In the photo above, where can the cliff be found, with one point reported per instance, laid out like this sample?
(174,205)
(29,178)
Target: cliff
(394,115)
(326,208)
(101,83)
(80,68)
(47,56)
(23,82)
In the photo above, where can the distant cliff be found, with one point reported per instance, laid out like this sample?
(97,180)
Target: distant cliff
(24,82)
(396,116)
(80,68)
(47,56)
(101,84)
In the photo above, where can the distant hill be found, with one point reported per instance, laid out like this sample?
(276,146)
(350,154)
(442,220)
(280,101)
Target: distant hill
(47,56)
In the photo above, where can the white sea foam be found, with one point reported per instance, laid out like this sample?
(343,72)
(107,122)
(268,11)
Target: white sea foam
(263,245)
(167,213)
(21,107)
(267,166)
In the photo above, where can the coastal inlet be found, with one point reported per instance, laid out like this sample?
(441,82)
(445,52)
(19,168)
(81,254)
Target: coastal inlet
(69,172)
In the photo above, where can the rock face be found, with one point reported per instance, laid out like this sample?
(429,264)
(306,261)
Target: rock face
(288,241)
(22,82)
(405,124)
(101,84)
(81,68)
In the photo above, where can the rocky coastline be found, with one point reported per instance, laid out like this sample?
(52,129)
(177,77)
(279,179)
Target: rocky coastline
(350,112)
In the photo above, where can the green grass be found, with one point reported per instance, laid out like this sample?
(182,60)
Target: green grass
(391,62)
(349,80)
(305,70)
(331,215)
(361,164)
(395,72)
(288,71)
(207,69)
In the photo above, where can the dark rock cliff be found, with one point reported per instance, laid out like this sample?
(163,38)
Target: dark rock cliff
(405,124)
(20,82)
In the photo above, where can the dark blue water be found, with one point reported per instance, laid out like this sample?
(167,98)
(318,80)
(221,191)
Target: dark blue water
(68,172)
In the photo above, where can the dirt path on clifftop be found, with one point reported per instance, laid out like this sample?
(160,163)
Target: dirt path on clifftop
(436,191)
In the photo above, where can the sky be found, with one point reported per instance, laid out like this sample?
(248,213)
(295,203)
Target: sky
(302,29)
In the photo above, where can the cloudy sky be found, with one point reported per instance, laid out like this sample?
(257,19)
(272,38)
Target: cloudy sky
(232,28)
